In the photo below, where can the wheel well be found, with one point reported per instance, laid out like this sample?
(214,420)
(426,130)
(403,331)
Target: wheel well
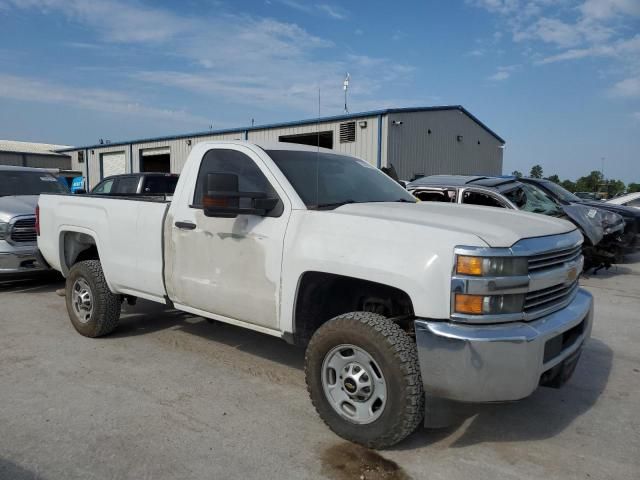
(323,296)
(78,247)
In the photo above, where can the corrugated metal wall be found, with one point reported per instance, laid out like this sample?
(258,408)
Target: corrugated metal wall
(35,161)
(179,148)
(93,162)
(365,146)
(413,150)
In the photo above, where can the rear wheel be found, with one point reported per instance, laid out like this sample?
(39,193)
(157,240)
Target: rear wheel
(364,380)
(93,310)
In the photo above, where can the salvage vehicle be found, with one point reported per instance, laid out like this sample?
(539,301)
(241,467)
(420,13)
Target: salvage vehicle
(144,183)
(397,302)
(601,229)
(628,200)
(630,238)
(19,190)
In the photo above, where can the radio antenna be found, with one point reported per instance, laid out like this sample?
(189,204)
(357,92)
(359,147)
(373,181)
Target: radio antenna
(345,86)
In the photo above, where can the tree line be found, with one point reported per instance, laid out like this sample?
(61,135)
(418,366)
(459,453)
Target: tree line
(594,182)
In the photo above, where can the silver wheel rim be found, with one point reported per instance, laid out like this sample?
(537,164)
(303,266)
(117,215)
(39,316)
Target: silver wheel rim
(353,384)
(82,300)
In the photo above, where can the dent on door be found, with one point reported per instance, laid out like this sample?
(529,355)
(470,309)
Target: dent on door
(228,267)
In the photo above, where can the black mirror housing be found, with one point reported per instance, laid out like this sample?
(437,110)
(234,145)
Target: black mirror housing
(222,198)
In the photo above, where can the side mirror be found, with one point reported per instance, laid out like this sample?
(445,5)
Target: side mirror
(222,198)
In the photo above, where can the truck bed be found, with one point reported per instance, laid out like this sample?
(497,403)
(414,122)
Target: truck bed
(128,232)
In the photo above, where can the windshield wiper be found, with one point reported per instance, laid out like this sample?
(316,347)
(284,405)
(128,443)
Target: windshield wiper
(330,205)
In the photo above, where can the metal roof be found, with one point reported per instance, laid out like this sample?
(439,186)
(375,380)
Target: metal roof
(460,181)
(292,124)
(32,148)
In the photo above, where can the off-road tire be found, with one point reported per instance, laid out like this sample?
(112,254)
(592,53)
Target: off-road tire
(396,354)
(106,305)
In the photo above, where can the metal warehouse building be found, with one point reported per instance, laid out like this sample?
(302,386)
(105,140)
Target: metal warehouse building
(416,141)
(39,155)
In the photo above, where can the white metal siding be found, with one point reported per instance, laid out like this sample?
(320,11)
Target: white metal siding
(413,150)
(179,148)
(93,161)
(365,146)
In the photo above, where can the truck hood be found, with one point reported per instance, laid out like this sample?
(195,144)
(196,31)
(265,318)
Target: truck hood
(495,226)
(15,205)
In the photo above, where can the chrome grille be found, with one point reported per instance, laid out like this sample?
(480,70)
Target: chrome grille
(24,230)
(545,261)
(549,297)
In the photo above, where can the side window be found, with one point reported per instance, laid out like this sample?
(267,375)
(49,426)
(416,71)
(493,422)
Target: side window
(127,185)
(444,195)
(250,178)
(104,187)
(634,203)
(479,198)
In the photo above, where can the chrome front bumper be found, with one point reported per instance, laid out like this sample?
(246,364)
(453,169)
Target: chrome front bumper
(22,261)
(500,362)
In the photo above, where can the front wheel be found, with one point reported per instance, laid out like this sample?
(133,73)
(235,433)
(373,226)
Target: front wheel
(364,380)
(93,310)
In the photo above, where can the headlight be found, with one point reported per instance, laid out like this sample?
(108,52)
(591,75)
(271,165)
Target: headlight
(4,230)
(488,304)
(491,266)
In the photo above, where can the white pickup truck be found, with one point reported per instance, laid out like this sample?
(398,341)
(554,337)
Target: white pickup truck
(395,300)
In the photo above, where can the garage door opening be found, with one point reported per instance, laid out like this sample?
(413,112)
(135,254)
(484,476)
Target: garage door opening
(112,163)
(317,139)
(155,160)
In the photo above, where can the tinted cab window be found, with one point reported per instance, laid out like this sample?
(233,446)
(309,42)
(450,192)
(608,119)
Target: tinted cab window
(250,178)
(127,185)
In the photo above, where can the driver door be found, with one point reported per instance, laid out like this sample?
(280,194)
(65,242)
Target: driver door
(228,267)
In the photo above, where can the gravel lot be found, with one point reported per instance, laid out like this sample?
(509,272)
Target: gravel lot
(171,396)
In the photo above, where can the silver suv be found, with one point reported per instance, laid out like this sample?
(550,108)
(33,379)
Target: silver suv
(19,191)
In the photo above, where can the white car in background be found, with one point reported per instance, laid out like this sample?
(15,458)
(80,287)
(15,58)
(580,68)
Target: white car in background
(628,200)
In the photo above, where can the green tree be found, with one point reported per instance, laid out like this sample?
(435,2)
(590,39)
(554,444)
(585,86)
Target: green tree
(536,171)
(633,187)
(554,179)
(615,187)
(569,185)
(590,183)
(517,174)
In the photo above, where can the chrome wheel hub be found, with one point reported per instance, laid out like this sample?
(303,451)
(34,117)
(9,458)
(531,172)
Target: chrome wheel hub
(82,300)
(353,384)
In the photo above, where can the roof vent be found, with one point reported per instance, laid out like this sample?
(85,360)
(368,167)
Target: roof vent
(347,132)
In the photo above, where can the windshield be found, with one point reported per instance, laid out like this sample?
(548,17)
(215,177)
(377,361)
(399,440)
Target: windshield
(530,198)
(29,183)
(561,193)
(326,180)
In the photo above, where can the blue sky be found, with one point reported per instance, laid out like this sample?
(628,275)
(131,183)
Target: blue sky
(559,80)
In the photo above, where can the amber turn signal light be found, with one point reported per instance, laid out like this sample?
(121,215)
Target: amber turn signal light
(469,304)
(469,265)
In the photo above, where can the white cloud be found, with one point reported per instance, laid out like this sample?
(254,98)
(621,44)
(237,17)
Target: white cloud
(605,9)
(333,11)
(569,30)
(503,73)
(101,100)
(232,57)
(627,88)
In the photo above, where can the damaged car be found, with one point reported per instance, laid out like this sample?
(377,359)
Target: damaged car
(601,229)
(629,238)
